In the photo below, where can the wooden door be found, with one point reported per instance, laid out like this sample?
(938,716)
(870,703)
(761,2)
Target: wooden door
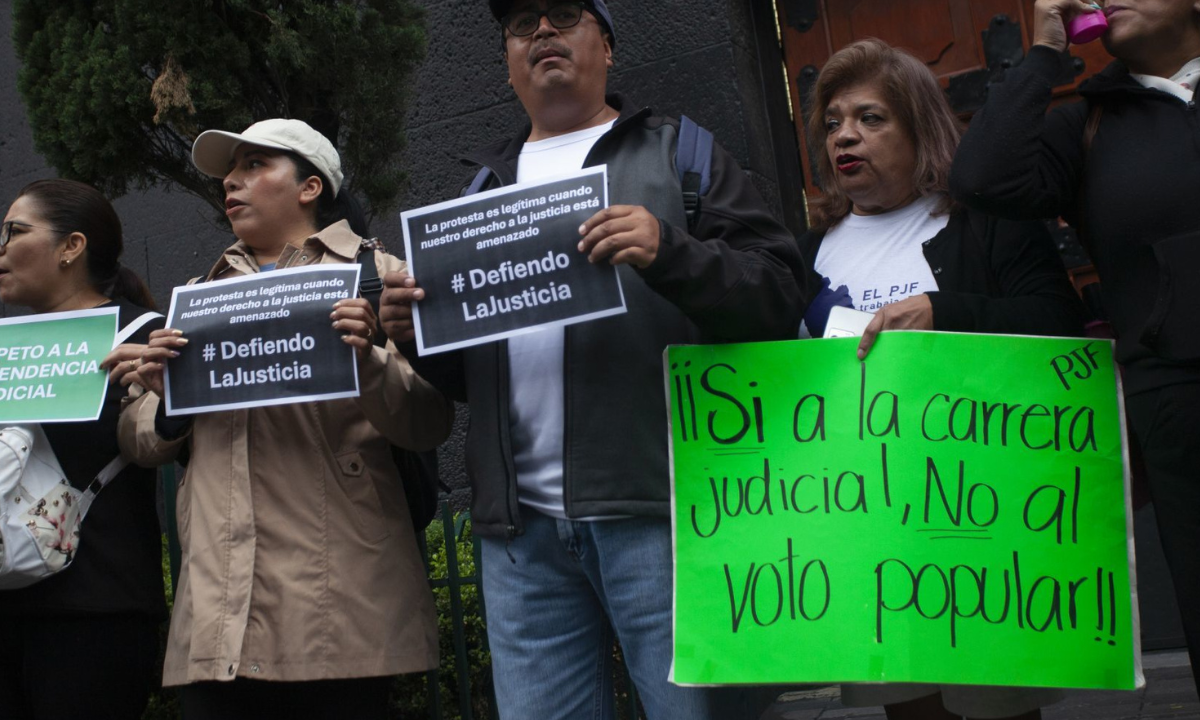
(946,34)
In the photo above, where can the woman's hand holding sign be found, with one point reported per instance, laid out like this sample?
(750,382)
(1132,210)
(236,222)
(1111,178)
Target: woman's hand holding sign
(357,320)
(122,363)
(911,313)
(164,345)
(623,234)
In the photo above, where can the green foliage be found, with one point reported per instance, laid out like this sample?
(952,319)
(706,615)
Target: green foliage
(117,90)
(411,697)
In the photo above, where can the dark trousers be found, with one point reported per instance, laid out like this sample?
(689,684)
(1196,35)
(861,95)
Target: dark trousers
(1167,424)
(98,667)
(351,699)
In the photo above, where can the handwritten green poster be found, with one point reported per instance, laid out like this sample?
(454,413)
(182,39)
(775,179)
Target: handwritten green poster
(50,365)
(952,510)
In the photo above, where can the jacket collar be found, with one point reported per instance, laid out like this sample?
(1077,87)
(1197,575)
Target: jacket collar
(501,157)
(1115,80)
(337,239)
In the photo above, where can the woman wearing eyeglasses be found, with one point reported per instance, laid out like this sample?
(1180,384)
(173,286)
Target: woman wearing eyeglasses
(84,643)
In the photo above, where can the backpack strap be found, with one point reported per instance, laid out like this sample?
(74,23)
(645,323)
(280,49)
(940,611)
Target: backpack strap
(1095,112)
(137,324)
(693,162)
(370,286)
(101,481)
(480,180)
(418,470)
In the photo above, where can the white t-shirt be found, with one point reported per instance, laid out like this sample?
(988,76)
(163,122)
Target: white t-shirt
(535,360)
(880,258)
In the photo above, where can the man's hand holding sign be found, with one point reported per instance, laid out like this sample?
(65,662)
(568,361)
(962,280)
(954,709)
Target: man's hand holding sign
(621,234)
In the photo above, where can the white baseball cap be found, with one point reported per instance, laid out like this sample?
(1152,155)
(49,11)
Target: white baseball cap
(213,150)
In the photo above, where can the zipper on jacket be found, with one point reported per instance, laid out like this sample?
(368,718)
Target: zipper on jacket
(1191,118)
(512,529)
(566,401)
(510,474)
(591,160)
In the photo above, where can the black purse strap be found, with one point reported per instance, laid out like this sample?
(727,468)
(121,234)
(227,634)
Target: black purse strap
(370,285)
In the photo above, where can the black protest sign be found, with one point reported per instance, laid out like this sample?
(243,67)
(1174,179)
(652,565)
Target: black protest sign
(506,261)
(263,339)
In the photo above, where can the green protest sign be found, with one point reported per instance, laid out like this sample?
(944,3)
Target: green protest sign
(50,365)
(952,510)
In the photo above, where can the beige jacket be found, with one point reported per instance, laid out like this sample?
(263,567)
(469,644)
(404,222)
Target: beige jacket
(299,557)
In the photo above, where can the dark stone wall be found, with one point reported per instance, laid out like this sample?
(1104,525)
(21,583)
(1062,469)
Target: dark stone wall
(703,59)
(715,60)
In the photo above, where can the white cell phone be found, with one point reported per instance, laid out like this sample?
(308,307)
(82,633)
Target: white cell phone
(846,322)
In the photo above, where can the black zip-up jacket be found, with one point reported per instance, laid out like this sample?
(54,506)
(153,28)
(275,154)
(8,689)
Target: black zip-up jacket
(1135,193)
(734,279)
(993,276)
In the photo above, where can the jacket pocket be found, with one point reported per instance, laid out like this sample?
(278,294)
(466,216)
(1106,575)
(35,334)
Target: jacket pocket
(1172,330)
(358,485)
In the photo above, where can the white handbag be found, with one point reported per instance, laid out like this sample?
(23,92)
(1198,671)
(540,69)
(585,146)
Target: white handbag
(40,511)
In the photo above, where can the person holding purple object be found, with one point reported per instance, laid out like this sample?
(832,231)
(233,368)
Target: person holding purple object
(1123,167)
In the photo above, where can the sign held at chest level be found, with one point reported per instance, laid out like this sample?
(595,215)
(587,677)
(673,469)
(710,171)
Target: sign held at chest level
(262,339)
(504,262)
(863,510)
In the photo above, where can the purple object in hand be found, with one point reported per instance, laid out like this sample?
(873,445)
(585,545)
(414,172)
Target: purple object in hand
(1087,27)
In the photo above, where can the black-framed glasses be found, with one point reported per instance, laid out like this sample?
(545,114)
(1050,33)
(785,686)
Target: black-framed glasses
(562,16)
(6,231)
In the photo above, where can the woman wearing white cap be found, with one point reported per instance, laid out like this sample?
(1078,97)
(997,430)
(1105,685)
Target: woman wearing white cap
(301,588)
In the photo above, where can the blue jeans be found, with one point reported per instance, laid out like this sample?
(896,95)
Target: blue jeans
(552,608)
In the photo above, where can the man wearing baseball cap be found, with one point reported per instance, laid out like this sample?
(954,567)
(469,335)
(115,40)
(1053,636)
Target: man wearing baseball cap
(567,447)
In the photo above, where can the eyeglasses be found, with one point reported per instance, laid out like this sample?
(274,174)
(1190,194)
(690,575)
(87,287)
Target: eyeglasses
(562,16)
(6,234)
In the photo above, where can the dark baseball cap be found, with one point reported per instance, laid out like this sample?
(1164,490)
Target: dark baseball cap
(500,8)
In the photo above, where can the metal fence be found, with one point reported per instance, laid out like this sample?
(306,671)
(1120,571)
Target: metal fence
(455,582)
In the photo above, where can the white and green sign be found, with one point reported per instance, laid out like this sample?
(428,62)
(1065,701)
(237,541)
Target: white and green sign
(50,365)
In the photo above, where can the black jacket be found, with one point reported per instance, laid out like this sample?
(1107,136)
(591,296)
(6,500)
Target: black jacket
(993,276)
(734,279)
(1135,194)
